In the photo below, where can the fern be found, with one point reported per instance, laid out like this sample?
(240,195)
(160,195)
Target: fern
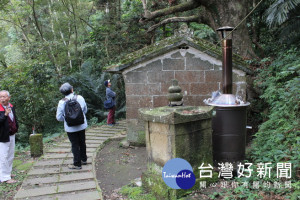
(278,12)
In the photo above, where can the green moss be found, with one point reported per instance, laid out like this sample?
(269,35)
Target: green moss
(136,193)
(17,162)
(150,49)
(163,46)
(36,145)
(24,167)
(154,183)
(139,140)
(141,137)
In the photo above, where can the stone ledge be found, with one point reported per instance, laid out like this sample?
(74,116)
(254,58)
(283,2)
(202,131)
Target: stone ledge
(176,115)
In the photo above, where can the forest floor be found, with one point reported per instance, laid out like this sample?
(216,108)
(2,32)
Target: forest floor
(117,166)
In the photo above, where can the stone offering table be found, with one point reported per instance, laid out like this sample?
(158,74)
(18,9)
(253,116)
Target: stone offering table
(176,132)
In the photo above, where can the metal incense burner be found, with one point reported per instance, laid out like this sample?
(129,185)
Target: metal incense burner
(229,123)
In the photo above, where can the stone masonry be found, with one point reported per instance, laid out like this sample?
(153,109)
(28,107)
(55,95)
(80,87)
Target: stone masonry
(148,78)
(197,73)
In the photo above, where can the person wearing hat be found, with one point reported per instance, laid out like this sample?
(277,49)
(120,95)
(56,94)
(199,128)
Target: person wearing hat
(110,95)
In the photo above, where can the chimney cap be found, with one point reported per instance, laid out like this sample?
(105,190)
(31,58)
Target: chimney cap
(225,28)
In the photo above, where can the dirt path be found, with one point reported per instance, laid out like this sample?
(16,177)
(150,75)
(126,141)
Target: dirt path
(117,166)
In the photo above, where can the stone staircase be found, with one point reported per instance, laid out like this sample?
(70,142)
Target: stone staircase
(50,177)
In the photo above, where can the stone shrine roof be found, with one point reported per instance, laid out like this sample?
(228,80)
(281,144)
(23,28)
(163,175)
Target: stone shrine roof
(173,43)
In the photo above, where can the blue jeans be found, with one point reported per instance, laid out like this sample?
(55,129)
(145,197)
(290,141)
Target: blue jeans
(77,140)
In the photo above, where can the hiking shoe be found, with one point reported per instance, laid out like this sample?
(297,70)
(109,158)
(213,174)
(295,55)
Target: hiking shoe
(74,167)
(110,124)
(84,162)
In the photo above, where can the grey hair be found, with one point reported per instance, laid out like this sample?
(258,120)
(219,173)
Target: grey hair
(66,89)
(6,92)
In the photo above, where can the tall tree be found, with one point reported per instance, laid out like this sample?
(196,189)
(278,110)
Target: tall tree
(214,13)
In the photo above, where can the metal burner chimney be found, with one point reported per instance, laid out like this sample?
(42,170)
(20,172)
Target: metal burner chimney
(229,123)
(227,59)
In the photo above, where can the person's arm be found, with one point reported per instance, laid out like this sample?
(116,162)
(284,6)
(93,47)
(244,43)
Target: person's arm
(60,111)
(111,93)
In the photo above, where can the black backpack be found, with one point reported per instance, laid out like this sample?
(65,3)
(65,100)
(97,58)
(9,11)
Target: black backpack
(73,112)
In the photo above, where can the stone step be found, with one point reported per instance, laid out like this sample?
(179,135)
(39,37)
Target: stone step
(60,188)
(59,150)
(34,182)
(89,154)
(94,142)
(51,162)
(114,128)
(87,144)
(70,161)
(90,195)
(39,181)
(103,138)
(73,187)
(117,127)
(92,145)
(55,156)
(76,176)
(105,135)
(27,193)
(85,168)
(108,132)
(68,150)
(50,177)
(64,145)
(79,195)
(90,134)
(109,129)
(44,171)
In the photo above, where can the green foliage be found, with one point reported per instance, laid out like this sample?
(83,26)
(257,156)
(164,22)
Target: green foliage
(203,31)
(91,87)
(34,93)
(278,137)
(279,11)
(136,193)
(115,37)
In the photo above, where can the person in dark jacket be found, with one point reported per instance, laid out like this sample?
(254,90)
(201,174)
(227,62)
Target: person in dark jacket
(110,95)
(8,128)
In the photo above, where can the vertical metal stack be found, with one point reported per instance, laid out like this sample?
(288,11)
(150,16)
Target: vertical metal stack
(229,123)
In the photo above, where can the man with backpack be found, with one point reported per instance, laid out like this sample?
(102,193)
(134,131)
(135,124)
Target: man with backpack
(72,110)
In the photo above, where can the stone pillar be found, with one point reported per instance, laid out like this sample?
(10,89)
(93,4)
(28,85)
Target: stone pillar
(36,145)
(176,132)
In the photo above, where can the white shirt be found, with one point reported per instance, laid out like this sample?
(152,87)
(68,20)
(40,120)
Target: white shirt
(60,113)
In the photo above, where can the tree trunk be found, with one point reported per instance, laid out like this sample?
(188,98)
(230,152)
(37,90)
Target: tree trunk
(231,13)
(216,14)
